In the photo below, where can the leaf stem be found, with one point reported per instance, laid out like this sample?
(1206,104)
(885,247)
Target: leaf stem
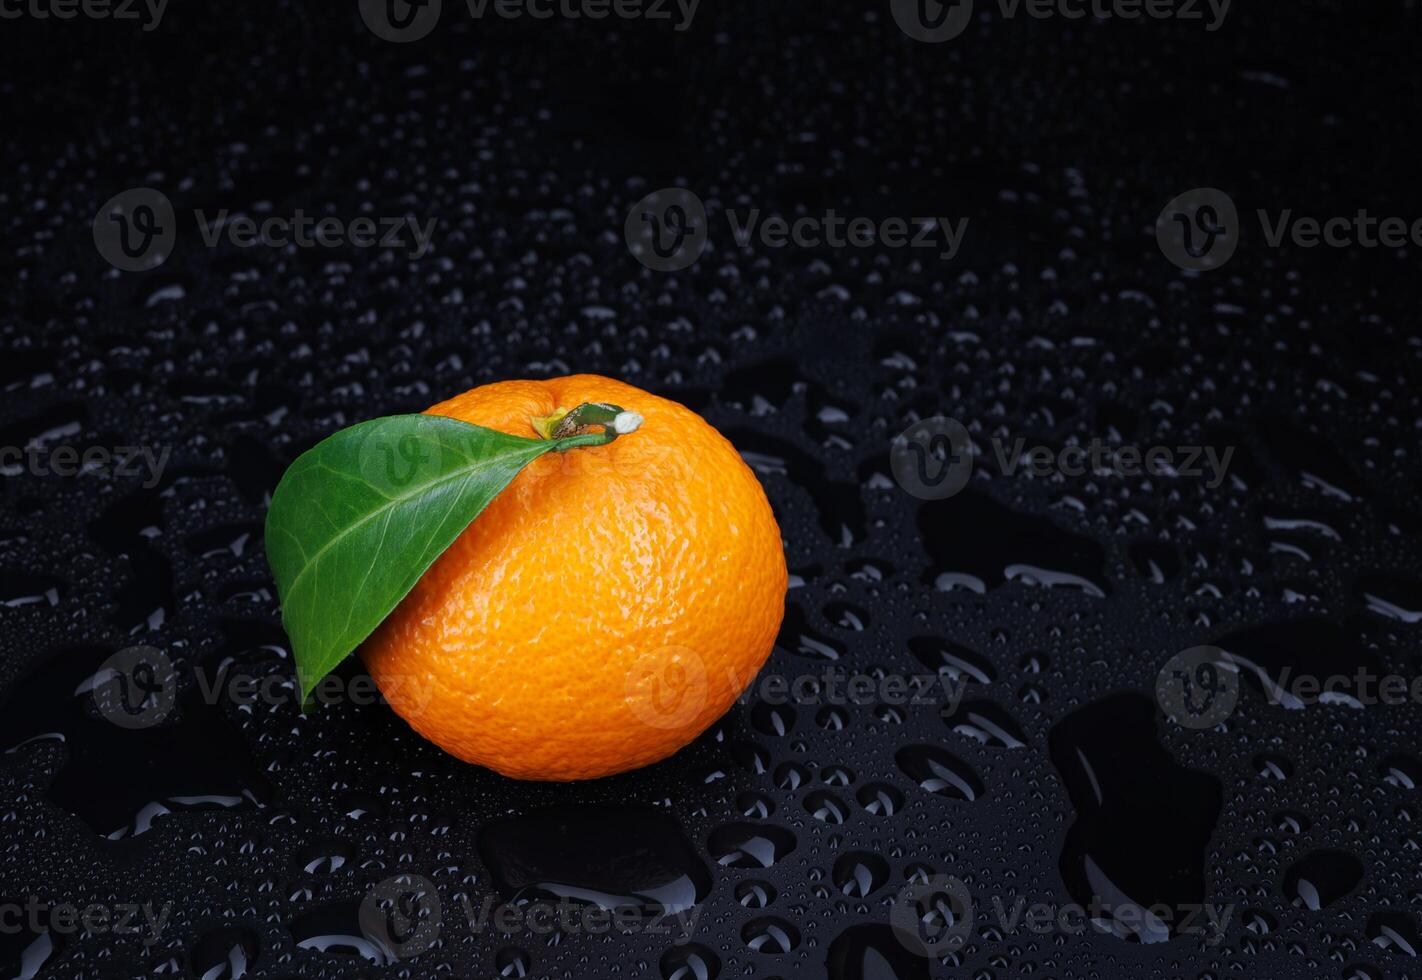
(586,439)
(574,429)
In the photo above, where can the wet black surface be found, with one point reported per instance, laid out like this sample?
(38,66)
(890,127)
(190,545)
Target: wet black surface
(1054,601)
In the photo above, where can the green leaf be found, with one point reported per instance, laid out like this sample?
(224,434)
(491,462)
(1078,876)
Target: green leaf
(359,517)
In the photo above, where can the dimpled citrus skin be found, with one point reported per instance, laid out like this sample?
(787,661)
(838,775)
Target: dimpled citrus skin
(604,609)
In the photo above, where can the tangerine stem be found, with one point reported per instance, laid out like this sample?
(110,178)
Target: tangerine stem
(572,429)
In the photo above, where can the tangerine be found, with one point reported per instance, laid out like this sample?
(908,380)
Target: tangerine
(604,609)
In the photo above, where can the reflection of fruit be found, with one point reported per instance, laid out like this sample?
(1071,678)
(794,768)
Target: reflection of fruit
(542,629)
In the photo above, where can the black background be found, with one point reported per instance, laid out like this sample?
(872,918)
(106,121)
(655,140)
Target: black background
(1059,321)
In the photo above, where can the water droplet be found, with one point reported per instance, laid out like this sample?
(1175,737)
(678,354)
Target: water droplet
(690,962)
(987,723)
(770,935)
(1322,877)
(880,799)
(227,953)
(873,952)
(825,807)
(939,771)
(1143,822)
(748,845)
(860,873)
(755,894)
(612,856)
(511,961)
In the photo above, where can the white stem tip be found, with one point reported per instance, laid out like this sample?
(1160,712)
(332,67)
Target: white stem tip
(625,422)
